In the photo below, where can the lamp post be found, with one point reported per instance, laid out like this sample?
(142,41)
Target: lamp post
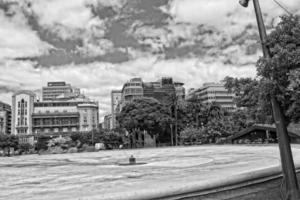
(287,162)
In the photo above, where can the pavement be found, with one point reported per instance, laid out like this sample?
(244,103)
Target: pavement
(99,175)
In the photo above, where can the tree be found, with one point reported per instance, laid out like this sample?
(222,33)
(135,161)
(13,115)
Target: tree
(24,147)
(8,141)
(280,73)
(145,114)
(250,99)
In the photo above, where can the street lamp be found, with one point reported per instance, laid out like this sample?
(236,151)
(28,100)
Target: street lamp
(287,162)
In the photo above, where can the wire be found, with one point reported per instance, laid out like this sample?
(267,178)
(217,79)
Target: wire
(284,8)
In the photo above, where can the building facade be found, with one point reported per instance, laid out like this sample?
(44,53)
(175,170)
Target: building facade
(5,118)
(22,109)
(107,123)
(56,117)
(162,90)
(116,97)
(55,90)
(131,90)
(214,93)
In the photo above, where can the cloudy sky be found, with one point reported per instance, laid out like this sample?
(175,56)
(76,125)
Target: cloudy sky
(97,45)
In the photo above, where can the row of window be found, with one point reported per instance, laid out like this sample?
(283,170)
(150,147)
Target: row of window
(133,84)
(22,121)
(133,90)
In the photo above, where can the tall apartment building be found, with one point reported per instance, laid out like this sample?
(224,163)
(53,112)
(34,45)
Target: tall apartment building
(214,92)
(31,117)
(116,97)
(5,118)
(55,90)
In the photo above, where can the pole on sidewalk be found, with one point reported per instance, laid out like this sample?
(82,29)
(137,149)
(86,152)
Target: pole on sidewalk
(287,162)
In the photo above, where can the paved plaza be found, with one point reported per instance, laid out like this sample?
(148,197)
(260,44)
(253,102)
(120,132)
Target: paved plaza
(98,175)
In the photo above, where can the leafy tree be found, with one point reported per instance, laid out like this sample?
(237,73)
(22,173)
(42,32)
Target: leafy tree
(8,141)
(145,114)
(193,135)
(250,99)
(24,147)
(280,73)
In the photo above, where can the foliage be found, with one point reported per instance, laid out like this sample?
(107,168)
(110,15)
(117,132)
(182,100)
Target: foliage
(192,135)
(251,100)
(7,141)
(280,73)
(24,147)
(145,114)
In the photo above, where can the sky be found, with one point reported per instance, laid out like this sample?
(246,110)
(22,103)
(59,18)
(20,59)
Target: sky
(98,45)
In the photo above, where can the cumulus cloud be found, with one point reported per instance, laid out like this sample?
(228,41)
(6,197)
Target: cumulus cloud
(223,14)
(73,14)
(17,39)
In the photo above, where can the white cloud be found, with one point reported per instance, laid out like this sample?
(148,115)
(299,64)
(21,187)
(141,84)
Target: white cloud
(17,39)
(72,14)
(216,13)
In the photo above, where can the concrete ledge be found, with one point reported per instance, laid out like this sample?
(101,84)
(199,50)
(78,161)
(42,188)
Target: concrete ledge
(214,187)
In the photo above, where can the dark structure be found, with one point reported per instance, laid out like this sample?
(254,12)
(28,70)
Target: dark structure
(5,118)
(260,134)
(162,91)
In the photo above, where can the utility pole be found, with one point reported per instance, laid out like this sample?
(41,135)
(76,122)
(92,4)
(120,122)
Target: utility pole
(287,162)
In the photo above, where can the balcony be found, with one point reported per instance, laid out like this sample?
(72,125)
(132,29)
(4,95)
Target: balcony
(55,114)
(55,125)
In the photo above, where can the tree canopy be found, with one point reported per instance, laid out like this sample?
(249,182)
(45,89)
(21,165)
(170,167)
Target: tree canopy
(280,73)
(144,114)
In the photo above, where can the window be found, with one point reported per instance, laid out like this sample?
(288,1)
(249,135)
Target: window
(19,104)
(18,121)
(25,121)
(19,111)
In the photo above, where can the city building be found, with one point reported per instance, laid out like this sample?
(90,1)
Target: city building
(60,90)
(31,118)
(64,117)
(22,109)
(116,97)
(107,123)
(214,93)
(180,91)
(163,90)
(5,118)
(132,90)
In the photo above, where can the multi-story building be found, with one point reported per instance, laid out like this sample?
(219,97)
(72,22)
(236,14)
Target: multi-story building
(64,117)
(116,97)
(57,117)
(22,109)
(5,118)
(162,90)
(107,123)
(180,91)
(55,90)
(214,92)
(132,90)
